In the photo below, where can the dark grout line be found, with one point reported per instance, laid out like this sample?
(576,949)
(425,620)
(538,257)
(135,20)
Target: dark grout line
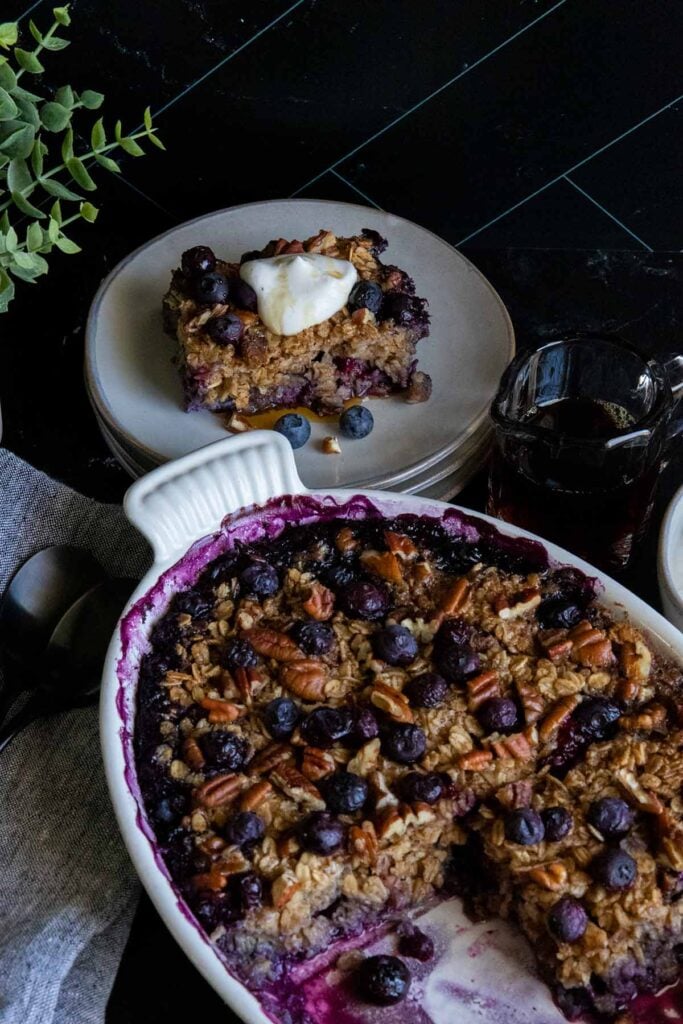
(163,209)
(607,213)
(355,188)
(569,170)
(416,106)
(28,10)
(229,57)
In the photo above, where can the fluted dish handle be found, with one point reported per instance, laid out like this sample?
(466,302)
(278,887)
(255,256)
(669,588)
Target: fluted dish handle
(187,499)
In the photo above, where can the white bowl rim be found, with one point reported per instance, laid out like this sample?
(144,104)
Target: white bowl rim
(671,530)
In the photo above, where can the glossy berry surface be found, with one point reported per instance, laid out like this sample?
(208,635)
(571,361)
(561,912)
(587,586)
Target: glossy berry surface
(356,422)
(396,645)
(226,329)
(416,787)
(453,632)
(244,829)
(557,822)
(597,718)
(280,717)
(321,833)
(242,294)
(363,600)
(260,579)
(296,428)
(246,890)
(197,261)
(524,826)
(211,289)
(365,726)
(457,664)
(314,638)
(499,714)
(611,816)
(405,310)
(567,920)
(615,869)
(365,295)
(404,743)
(559,613)
(238,653)
(326,726)
(339,576)
(383,980)
(428,690)
(416,944)
(344,792)
(224,751)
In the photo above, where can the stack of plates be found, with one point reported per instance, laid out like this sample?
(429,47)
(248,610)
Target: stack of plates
(430,449)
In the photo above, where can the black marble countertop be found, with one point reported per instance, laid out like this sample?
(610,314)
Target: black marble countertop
(541,137)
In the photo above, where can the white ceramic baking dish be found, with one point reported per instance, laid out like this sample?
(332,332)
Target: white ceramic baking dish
(670,560)
(180,508)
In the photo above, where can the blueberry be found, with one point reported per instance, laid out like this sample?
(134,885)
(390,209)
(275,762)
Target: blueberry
(414,943)
(246,890)
(345,792)
(211,289)
(420,788)
(339,576)
(280,717)
(224,751)
(524,826)
(383,980)
(212,909)
(567,920)
(597,718)
(244,829)
(457,664)
(611,816)
(499,714)
(364,726)
(242,294)
(366,295)
(404,743)
(558,613)
(194,603)
(363,600)
(355,422)
(615,869)
(169,809)
(379,244)
(321,833)
(325,726)
(453,632)
(238,654)
(314,638)
(226,329)
(198,260)
(296,428)
(405,310)
(260,579)
(396,645)
(426,691)
(557,822)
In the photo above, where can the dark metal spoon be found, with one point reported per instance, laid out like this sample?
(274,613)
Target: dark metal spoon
(68,675)
(39,594)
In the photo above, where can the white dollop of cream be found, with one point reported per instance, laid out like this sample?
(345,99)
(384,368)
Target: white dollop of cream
(296,291)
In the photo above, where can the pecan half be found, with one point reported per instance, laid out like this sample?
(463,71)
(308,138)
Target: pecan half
(305,678)
(255,795)
(244,682)
(270,757)
(192,753)
(400,545)
(652,718)
(221,710)
(271,644)
(558,714)
(516,747)
(635,660)
(531,700)
(455,597)
(218,791)
(590,646)
(316,764)
(297,787)
(384,564)
(518,605)
(515,795)
(475,760)
(320,603)
(392,702)
(481,688)
(363,843)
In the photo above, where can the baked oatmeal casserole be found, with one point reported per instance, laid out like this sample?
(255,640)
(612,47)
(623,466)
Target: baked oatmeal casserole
(363,715)
(230,360)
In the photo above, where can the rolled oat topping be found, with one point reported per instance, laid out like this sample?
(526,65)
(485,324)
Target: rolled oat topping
(359,716)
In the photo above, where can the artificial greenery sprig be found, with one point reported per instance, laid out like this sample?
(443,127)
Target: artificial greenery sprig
(38,160)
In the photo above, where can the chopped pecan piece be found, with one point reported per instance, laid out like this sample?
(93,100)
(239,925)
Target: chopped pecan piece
(516,747)
(531,700)
(346,541)
(304,678)
(643,798)
(552,876)
(320,603)
(255,795)
(331,446)
(363,843)
(475,760)
(455,597)
(652,718)
(517,605)
(590,646)
(192,753)
(221,710)
(392,702)
(283,888)
(558,713)
(296,786)
(635,660)
(316,763)
(384,564)
(270,757)
(481,688)
(391,825)
(271,644)
(400,545)
(419,388)
(515,795)
(218,791)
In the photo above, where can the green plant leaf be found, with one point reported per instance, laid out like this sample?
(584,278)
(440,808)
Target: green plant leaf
(28,111)
(35,31)
(108,163)
(19,142)
(28,266)
(156,141)
(11,239)
(6,290)
(68,145)
(9,33)
(65,96)
(91,100)
(34,237)
(55,43)
(53,228)
(61,15)
(89,212)
(98,136)
(18,176)
(147,118)
(56,212)
(131,147)
(59,191)
(37,157)
(65,244)
(26,207)
(8,79)
(55,117)
(4,224)
(78,172)
(28,61)
(8,108)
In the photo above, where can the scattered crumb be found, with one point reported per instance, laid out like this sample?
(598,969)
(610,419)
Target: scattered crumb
(331,446)
(238,424)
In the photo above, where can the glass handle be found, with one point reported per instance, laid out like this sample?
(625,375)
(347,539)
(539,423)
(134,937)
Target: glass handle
(674,371)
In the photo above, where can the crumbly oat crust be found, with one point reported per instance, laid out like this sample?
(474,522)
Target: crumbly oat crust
(349,355)
(398,854)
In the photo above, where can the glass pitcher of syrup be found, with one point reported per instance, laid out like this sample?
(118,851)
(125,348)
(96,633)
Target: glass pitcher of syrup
(581,430)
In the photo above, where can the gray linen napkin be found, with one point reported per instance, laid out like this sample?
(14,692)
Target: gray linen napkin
(67,889)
